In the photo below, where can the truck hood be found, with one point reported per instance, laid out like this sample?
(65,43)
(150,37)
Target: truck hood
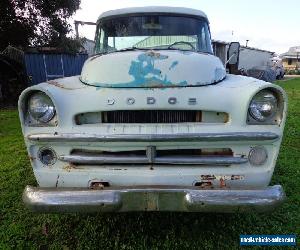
(159,68)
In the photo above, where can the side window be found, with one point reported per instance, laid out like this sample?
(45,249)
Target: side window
(112,42)
(204,39)
(101,40)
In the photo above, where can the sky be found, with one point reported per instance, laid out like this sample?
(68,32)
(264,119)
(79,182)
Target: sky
(272,25)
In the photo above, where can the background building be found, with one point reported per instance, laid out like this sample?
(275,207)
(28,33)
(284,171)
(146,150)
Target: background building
(291,59)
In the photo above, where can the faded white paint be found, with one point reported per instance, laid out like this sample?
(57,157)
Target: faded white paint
(153,9)
(71,97)
(152,69)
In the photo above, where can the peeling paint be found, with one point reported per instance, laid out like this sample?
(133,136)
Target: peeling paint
(152,69)
(220,178)
(174,64)
(145,73)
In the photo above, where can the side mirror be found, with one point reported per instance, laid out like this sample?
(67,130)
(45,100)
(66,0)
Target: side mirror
(233,53)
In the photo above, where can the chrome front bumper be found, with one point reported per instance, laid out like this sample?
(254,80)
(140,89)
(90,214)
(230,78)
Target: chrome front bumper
(152,198)
(199,137)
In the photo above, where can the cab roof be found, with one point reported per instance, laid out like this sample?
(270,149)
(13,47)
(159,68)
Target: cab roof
(153,10)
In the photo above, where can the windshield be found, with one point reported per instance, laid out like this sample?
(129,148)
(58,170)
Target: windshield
(153,32)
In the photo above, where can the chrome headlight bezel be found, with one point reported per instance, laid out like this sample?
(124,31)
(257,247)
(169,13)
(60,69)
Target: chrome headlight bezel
(40,110)
(266,107)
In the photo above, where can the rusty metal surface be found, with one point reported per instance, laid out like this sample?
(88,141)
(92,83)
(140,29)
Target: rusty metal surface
(152,198)
(206,137)
(56,83)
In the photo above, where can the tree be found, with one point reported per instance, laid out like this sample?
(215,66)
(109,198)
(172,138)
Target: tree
(35,22)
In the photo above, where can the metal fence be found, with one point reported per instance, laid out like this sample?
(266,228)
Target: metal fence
(44,67)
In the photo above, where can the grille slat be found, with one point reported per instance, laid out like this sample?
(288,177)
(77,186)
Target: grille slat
(150,155)
(151,116)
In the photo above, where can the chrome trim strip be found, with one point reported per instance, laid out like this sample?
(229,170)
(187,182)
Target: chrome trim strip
(173,160)
(205,137)
(103,159)
(221,160)
(152,198)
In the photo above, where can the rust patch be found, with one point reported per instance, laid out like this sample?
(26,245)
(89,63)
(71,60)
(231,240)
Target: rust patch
(223,177)
(59,85)
(99,185)
(226,118)
(70,167)
(31,158)
(204,184)
(222,183)
(208,177)
(153,53)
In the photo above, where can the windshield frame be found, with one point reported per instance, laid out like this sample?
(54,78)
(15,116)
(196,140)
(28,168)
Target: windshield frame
(100,22)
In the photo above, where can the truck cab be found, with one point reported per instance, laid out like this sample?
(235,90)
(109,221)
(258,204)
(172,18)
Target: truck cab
(153,123)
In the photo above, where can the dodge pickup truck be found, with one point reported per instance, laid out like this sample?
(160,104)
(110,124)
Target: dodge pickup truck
(153,123)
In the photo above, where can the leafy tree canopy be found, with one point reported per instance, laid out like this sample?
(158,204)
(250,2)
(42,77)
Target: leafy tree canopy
(35,22)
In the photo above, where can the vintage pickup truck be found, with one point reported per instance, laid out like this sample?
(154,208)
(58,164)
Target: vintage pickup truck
(153,123)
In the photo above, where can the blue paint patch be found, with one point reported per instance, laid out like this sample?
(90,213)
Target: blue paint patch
(145,73)
(174,64)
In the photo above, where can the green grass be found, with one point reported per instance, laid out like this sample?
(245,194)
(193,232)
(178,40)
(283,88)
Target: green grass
(21,229)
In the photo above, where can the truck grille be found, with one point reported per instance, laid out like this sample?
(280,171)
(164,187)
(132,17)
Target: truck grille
(152,156)
(151,116)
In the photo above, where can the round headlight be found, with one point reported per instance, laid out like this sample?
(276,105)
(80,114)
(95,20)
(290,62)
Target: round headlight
(263,106)
(40,107)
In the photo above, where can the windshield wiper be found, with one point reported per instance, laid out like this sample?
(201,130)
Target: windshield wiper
(137,48)
(120,50)
(177,49)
